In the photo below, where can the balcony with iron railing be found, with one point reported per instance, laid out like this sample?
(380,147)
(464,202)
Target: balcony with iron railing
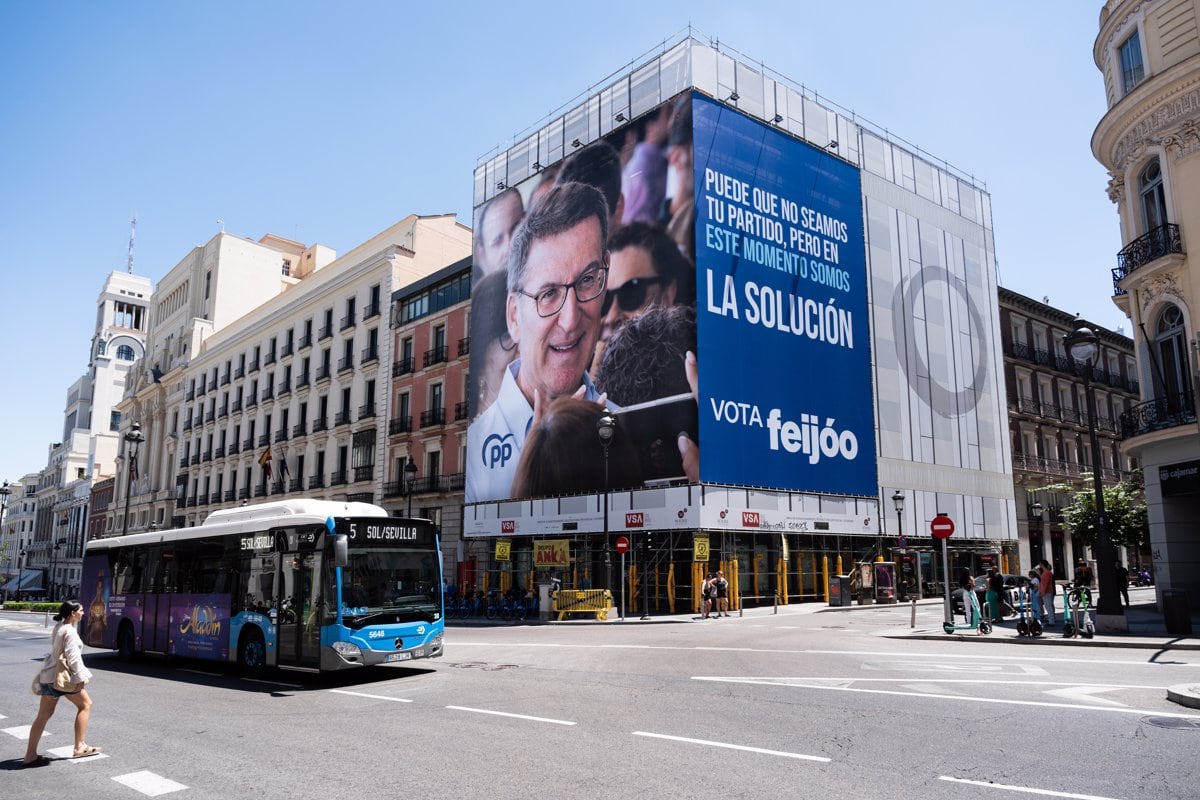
(287,349)
(300,430)
(1159,414)
(372,310)
(285,387)
(464,346)
(370,354)
(302,380)
(1063,469)
(236,407)
(225,379)
(243,493)
(320,424)
(240,372)
(347,322)
(253,366)
(366,411)
(306,341)
(435,355)
(323,373)
(296,485)
(230,495)
(232,450)
(364,473)
(264,439)
(248,443)
(325,332)
(346,364)
(316,481)
(338,478)
(341,418)
(270,359)
(399,425)
(402,367)
(281,435)
(461,409)
(433,416)
(1151,246)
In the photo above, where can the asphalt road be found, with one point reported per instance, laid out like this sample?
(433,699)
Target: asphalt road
(798,704)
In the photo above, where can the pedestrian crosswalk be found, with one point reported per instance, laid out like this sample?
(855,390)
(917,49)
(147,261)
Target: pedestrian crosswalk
(144,782)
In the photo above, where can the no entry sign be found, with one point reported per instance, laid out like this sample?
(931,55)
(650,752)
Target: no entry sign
(942,527)
(623,543)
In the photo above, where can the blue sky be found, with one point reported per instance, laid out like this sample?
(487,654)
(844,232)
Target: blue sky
(327,122)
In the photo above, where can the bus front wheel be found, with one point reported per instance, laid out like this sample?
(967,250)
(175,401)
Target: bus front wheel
(126,649)
(252,653)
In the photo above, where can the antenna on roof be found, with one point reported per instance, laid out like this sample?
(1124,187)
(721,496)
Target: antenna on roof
(132,233)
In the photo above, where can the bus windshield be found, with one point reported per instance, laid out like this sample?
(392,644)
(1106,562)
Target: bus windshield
(390,584)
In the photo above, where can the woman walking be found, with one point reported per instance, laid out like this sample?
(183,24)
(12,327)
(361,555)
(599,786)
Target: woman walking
(64,640)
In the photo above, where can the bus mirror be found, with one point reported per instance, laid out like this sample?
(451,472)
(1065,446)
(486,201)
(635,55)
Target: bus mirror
(341,550)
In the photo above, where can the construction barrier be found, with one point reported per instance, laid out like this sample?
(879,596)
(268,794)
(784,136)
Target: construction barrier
(583,601)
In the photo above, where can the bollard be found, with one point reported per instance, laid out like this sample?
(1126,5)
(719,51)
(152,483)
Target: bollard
(913,622)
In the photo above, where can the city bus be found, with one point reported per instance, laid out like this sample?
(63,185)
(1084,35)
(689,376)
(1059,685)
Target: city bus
(314,585)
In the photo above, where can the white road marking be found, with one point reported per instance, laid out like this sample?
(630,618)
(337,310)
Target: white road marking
(800,683)
(372,696)
(729,746)
(514,716)
(780,651)
(1079,693)
(148,783)
(202,672)
(927,666)
(847,681)
(68,754)
(21,732)
(1025,789)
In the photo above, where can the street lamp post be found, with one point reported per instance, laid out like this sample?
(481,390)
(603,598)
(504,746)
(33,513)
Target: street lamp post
(606,426)
(54,569)
(1084,347)
(410,477)
(5,492)
(133,439)
(20,571)
(1037,510)
(898,504)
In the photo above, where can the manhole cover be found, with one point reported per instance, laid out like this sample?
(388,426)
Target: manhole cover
(1178,723)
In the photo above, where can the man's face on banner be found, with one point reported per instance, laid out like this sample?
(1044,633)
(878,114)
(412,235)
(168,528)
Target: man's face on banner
(555,350)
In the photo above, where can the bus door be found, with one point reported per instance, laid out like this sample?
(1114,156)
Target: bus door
(156,611)
(301,614)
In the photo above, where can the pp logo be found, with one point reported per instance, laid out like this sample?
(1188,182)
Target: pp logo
(497,450)
(750,519)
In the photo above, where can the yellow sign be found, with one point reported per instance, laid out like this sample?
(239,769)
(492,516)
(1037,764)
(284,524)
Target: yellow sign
(700,548)
(503,550)
(552,553)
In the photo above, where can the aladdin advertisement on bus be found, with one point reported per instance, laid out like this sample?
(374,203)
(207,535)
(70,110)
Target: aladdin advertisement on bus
(683,300)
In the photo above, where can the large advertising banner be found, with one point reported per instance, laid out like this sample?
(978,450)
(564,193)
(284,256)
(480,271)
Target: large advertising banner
(785,373)
(583,303)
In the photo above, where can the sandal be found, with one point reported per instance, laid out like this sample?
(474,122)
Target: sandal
(40,761)
(85,752)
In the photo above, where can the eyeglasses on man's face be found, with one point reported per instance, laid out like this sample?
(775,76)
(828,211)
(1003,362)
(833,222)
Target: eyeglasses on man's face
(631,295)
(550,299)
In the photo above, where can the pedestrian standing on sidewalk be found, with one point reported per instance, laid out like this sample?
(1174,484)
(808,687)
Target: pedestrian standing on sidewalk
(1047,589)
(706,596)
(722,587)
(995,591)
(1123,582)
(1034,589)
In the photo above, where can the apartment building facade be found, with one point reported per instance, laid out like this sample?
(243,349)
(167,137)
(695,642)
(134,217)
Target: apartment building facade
(290,397)
(1149,54)
(427,423)
(1048,423)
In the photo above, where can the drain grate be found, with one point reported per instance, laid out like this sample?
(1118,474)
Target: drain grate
(1177,723)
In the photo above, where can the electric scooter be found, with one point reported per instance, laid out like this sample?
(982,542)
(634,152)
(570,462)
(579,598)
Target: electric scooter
(1076,620)
(1032,626)
(978,623)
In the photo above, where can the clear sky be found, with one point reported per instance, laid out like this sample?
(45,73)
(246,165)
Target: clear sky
(327,122)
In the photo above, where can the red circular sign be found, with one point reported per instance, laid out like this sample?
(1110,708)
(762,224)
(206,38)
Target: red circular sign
(622,544)
(942,527)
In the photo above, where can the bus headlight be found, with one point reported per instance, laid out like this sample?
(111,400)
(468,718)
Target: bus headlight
(347,649)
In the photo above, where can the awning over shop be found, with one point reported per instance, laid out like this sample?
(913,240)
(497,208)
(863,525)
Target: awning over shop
(30,580)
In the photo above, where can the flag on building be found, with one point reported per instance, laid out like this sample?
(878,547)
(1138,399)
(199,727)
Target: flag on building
(284,472)
(264,461)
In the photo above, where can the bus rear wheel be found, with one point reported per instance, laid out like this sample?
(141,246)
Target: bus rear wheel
(252,653)
(126,648)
